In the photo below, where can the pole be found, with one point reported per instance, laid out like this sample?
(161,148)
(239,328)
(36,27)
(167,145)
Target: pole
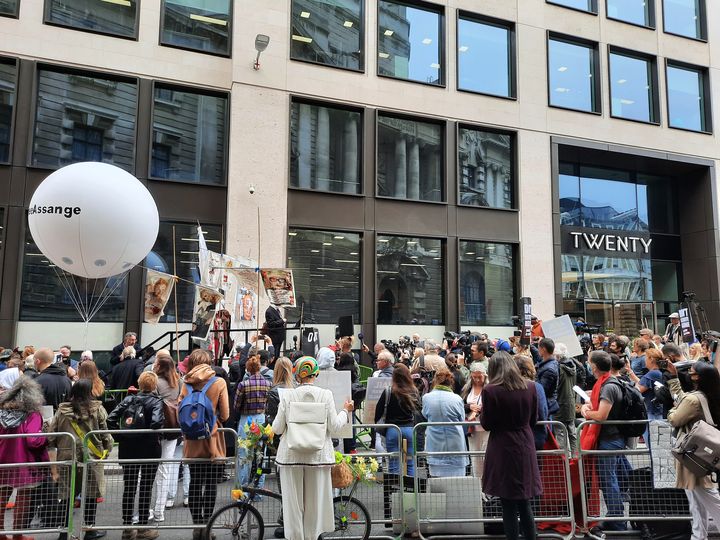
(177,327)
(257,318)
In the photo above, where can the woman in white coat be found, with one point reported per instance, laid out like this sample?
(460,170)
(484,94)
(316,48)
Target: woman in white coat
(305,475)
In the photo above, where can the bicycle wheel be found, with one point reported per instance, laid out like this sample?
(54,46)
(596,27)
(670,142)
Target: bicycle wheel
(352,520)
(238,521)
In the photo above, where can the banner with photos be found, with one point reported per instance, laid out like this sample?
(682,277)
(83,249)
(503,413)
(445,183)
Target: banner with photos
(246,297)
(207,302)
(158,288)
(279,286)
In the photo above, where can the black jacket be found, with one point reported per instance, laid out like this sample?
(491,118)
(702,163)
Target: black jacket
(126,373)
(144,445)
(549,377)
(275,324)
(117,351)
(55,385)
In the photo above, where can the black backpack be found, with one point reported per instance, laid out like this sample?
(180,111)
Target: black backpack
(133,417)
(633,408)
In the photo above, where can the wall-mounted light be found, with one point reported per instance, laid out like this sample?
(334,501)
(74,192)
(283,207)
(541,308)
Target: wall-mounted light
(261,43)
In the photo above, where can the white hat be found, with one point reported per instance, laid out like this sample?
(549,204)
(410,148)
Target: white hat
(674,315)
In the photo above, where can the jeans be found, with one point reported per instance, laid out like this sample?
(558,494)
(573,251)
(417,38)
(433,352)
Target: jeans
(613,472)
(146,471)
(510,510)
(244,465)
(204,478)
(393,443)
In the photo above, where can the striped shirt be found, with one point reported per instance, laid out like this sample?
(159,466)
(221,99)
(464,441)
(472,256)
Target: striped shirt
(251,395)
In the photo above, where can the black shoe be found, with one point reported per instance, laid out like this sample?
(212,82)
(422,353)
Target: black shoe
(93,535)
(279,532)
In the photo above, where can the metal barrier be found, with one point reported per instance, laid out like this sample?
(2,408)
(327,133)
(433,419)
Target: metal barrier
(43,490)
(455,506)
(625,477)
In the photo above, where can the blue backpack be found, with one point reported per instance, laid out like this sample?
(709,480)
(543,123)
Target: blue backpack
(196,413)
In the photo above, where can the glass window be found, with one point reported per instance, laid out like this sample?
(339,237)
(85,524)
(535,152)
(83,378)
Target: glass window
(7,104)
(486,168)
(325,148)
(326,269)
(485,61)
(609,200)
(84,116)
(186,259)
(9,7)
(632,87)
(410,42)
(609,278)
(487,284)
(685,17)
(403,170)
(108,17)
(665,281)
(44,295)
(662,200)
(632,11)
(329,33)
(583,5)
(200,25)
(189,136)
(571,75)
(410,280)
(569,188)
(686,98)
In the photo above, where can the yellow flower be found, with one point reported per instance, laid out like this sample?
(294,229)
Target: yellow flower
(237,494)
(268,431)
(374,465)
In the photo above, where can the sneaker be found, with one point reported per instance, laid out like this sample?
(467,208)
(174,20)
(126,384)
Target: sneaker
(159,517)
(147,534)
(129,534)
(170,503)
(135,519)
(186,502)
(151,515)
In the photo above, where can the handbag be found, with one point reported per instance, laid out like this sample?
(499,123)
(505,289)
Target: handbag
(306,425)
(698,450)
(382,431)
(341,475)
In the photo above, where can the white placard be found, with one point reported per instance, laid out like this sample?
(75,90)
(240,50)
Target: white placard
(561,330)
(47,413)
(580,392)
(338,382)
(375,388)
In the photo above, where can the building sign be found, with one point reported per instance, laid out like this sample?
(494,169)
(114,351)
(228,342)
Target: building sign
(606,242)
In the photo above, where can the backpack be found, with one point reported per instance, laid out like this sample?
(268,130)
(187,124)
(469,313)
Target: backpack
(306,424)
(196,414)
(633,408)
(133,417)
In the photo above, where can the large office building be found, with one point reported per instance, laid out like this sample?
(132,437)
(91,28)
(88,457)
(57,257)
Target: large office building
(420,165)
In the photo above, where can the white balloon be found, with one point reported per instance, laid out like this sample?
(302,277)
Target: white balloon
(93,219)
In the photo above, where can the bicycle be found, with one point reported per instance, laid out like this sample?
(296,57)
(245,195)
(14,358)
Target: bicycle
(242,520)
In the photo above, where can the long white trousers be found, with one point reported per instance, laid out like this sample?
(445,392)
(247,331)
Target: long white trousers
(162,477)
(704,503)
(306,502)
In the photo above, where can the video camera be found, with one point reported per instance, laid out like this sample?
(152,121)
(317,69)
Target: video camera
(391,346)
(461,340)
(581,327)
(713,340)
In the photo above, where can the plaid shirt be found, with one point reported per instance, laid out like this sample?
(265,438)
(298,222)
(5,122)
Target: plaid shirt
(251,395)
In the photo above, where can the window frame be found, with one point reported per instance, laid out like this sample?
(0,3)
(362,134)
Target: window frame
(513,160)
(363,43)
(60,68)
(656,119)
(702,14)
(443,166)
(515,247)
(226,146)
(361,142)
(593,7)
(191,49)
(594,46)
(133,37)
(438,9)
(707,95)
(13,117)
(652,19)
(15,15)
(512,50)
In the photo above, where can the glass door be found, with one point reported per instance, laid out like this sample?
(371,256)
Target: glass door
(621,318)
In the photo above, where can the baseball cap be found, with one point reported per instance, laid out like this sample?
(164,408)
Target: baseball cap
(674,315)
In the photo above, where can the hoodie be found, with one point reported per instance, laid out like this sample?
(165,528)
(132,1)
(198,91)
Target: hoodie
(566,395)
(55,384)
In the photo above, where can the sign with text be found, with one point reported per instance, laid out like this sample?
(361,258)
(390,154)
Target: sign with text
(375,388)
(606,242)
(561,330)
(338,382)
(686,325)
(526,320)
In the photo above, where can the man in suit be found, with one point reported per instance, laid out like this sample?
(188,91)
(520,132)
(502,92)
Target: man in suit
(274,327)
(673,332)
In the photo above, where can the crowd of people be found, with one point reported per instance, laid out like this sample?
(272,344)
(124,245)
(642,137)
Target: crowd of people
(488,394)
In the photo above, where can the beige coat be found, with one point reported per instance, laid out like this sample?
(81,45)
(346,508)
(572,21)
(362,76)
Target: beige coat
(683,416)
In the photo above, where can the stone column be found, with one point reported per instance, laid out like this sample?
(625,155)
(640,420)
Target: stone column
(400,190)
(350,158)
(413,173)
(304,138)
(322,150)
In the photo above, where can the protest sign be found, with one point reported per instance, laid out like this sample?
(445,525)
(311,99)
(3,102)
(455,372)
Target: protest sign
(158,287)
(279,286)
(338,382)
(561,330)
(375,388)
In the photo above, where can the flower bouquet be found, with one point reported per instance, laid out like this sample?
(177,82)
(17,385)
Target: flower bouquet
(255,436)
(350,468)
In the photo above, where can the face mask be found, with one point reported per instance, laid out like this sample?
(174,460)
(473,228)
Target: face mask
(515,350)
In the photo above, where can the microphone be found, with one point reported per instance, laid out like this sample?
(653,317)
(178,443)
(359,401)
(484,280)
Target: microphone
(295,343)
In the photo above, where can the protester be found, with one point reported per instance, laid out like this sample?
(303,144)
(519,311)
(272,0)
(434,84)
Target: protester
(141,411)
(88,370)
(129,340)
(305,476)
(673,331)
(204,477)
(78,416)
(511,466)
(567,370)
(472,394)
(8,377)
(347,362)
(20,407)
(125,373)
(548,374)
(249,406)
(701,492)
(695,352)
(52,379)
(637,361)
(479,353)
(442,405)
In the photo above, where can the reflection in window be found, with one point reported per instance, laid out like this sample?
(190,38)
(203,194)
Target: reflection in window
(409,42)
(485,62)
(326,269)
(606,278)
(116,18)
(665,281)
(72,106)
(325,148)
(45,298)
(9,7)
(684,17)
(632,11)
(189,136)
(200,25)
(686,98)
(569,188)
(410,159)
(486,165)
(571,72)
(614,209)
(632,87)
(410,285)
(329,33)
(584,5)
(186,257)
(7,103)
(487,283)
(662,201)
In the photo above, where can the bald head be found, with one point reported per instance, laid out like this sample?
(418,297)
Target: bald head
(43,358)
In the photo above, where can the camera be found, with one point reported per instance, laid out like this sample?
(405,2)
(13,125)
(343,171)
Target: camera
(461,340)
(391,346)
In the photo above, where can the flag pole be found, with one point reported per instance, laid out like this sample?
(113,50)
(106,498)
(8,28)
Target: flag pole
(177,326)
(257,318)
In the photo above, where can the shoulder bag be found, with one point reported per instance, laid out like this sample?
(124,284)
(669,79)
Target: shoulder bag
(698,450)
(306,424)
(382,431)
